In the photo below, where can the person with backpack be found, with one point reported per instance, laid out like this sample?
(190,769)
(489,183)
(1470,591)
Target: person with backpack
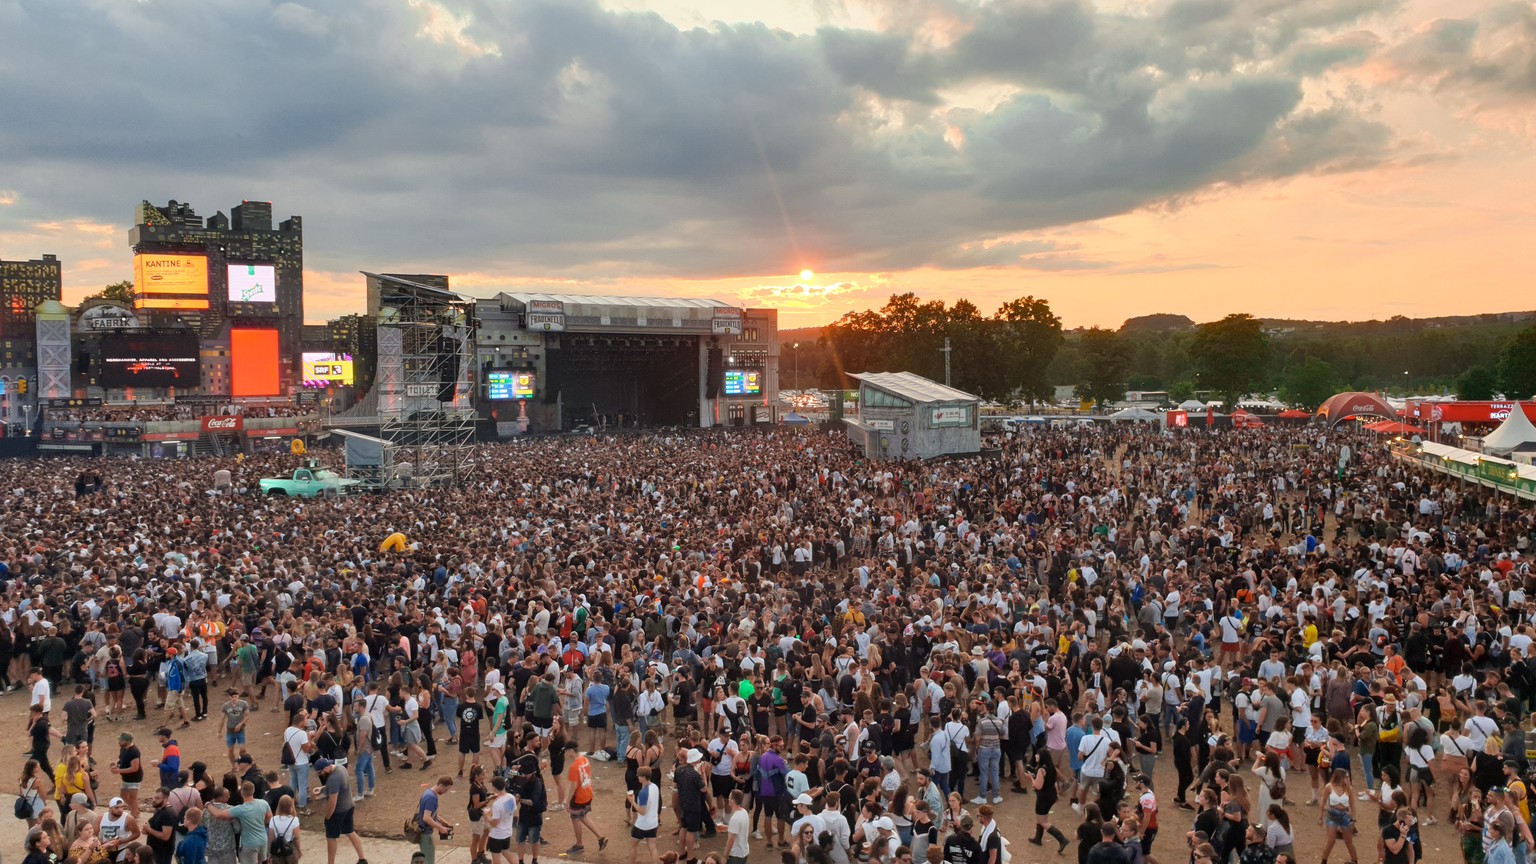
(175,688)
(283,834)
(532,802)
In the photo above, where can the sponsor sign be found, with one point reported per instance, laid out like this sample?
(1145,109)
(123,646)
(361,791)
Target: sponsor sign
(420,390)
(546,322)
(170,274)
(951,416)
(882,425)
(725,326)
(1178,419)
(170,436)
(230,423)
(550,306)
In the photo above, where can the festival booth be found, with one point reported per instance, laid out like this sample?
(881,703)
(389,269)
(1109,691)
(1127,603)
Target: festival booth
(906,416)
(1515,435)
(1134,415)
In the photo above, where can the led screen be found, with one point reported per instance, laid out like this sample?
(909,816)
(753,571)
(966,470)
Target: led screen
(324,369)
(502,384)
(150,358)
(253,363)
(252,283)
(743,382)
(170,274)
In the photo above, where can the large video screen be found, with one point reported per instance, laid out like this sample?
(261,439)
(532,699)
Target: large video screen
(252,283)
(743,382)
(170,274)
(325,369)
(502,384)
(150,358)
(253,363)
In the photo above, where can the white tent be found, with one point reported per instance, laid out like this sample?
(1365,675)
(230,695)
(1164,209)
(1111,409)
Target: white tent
(1134,415)
(1515,433)
(1192,405)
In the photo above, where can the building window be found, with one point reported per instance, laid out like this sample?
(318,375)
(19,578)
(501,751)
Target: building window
(736,411)
(750,334)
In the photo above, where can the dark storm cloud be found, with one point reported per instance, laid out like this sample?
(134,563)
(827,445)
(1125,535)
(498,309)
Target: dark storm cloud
(553,136)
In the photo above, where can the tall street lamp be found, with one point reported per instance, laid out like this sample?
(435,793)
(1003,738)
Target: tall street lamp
(796,346)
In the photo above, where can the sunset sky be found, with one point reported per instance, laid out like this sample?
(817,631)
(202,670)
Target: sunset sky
(1333,159)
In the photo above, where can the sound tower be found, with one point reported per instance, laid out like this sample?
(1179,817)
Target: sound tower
(715,381)
(448,367)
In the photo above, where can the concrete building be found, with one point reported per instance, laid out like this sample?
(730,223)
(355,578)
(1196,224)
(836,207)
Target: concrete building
(906,416)
(549,362)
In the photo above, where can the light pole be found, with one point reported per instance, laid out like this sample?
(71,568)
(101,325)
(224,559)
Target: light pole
(1405,383)
(796,346)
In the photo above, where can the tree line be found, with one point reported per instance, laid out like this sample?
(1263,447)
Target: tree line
(1020,354)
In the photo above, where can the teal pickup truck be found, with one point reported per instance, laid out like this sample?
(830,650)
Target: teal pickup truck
(308,483)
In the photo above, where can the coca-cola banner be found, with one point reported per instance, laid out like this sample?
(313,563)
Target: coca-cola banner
(234,423)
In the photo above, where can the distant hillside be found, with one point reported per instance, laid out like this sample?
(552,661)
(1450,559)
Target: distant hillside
(1162,323)
(800,334)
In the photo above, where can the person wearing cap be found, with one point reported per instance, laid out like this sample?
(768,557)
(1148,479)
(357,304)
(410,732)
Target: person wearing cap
(117,828)
(80,814)
(806,820)
(338,809)
(129,767)
(690,798)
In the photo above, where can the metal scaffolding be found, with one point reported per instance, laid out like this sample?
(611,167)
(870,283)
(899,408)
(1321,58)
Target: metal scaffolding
(425,385)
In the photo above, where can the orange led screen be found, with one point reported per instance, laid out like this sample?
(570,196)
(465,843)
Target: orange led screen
(253,363)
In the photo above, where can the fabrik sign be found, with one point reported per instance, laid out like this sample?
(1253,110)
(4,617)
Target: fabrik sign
(222,424)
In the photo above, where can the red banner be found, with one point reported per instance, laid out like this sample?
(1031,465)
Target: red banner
(231,423)
(1466,412)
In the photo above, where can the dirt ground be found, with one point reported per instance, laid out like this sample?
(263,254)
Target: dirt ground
(398,792)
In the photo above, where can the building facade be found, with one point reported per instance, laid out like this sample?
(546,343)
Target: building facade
(254,280)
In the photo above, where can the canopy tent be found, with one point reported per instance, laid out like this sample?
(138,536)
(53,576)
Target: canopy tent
(1515,433)
(1134,415)
(1356,404)
(1192,405)
(1394,427)
(1293,414)
(1243,420)
(796,420)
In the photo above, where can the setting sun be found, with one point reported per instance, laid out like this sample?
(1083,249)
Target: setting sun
(807,275)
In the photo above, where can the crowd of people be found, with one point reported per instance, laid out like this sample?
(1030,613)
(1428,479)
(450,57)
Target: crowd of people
(834,659)
(150,413)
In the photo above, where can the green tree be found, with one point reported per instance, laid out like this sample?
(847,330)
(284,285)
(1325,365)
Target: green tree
(1231,356)
(1477,383)
(1517,365)
(118,292)
(1309,383)
(1028,335)
(1103,360)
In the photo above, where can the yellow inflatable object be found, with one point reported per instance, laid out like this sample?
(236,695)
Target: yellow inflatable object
(395,542)
(296,447)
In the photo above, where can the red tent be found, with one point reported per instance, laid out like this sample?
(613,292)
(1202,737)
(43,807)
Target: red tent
(1293,414)
(1243,420)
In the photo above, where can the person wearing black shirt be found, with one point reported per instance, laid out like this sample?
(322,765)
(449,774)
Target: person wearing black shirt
(161,830)
(1108,850)
(1396,847)
(276,789)
(961,847)
(1182,762)
(470,712)
(130,770)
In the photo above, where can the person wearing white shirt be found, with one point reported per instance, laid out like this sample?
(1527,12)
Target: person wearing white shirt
(1094,751)
(645,803)
(503,822)
(738,847)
